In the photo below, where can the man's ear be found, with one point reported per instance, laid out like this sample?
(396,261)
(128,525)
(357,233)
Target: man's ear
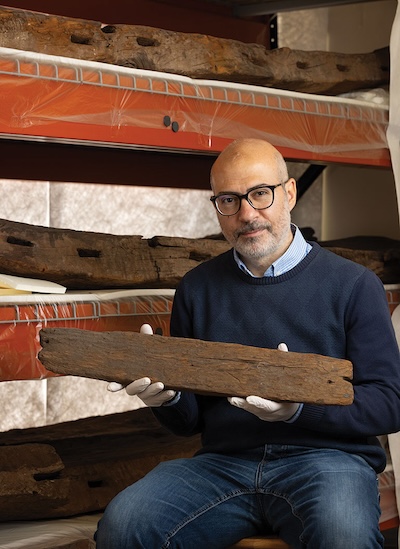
(291,191)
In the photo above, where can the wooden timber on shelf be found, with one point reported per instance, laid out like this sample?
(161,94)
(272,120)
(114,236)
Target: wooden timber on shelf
(204,367)
(79,466)
(83,260)
(193,55)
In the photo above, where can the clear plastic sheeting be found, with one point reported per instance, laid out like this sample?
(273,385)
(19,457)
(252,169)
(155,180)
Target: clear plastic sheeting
(23,316)
(59,99)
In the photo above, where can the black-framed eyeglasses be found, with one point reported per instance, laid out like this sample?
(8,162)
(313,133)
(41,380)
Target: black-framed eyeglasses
(259,198)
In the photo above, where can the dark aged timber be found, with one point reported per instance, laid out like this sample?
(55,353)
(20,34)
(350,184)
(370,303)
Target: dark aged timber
(77,467)
(83,260)
(221,369)
(193,55)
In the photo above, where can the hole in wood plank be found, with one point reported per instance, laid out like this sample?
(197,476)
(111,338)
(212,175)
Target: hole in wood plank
(95,483)
(342,68)
(76,39)
(82,252)
(19,241)
(108,29)
(46,476)
(302,65)
(146,42)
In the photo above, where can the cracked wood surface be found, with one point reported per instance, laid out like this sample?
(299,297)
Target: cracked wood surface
(211,368)
(77,467)
(83,260)
(193,55)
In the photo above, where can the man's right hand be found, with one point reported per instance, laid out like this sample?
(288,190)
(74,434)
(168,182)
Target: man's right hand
(151,394)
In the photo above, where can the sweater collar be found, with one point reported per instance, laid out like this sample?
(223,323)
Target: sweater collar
(297,250)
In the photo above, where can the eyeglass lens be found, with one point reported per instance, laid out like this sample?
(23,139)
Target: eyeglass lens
(229,204)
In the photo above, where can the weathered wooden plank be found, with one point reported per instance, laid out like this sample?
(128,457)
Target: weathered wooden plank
(377,253)
(86,260)
(223,369)
(79,466)
(194,55)
(83,260)
(30,475)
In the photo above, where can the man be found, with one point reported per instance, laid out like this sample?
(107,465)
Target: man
(305,472)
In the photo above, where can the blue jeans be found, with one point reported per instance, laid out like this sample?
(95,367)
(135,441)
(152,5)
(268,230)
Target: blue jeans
(314,498)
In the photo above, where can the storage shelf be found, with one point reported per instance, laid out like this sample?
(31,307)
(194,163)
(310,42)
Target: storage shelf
(62,100)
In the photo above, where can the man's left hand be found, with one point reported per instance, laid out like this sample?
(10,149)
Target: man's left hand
(267,410)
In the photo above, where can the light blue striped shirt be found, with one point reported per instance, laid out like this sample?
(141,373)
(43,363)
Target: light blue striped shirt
(296,252)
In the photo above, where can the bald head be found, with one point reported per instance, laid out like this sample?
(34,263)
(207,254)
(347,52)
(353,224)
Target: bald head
(243,153)
(243,171)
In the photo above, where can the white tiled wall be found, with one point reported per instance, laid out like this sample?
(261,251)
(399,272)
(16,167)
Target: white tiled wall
(146,211)
(23,404)
(25,201)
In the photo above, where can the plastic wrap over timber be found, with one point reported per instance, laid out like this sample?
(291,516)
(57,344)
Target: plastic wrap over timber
(203,367)
(23,316)
(59,99)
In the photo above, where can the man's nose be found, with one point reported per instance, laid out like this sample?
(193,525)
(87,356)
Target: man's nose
(246,210)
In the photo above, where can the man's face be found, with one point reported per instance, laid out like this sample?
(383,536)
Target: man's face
(259,236)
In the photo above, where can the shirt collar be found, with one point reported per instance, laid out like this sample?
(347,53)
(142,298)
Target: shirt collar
(296,252)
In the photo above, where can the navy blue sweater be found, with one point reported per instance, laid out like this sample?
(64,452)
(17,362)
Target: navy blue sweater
(325,305)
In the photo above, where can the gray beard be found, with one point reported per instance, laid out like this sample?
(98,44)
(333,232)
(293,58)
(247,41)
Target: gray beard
(253,248)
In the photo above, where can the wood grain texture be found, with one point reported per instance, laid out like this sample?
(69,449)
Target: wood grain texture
(193,55)
(77,467)
(82,260)
(220,369)
(86,260)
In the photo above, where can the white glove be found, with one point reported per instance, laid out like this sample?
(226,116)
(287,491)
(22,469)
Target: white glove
(151,394)
(265,409)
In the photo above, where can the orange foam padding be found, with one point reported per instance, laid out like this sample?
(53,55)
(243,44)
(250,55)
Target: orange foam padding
(20,325)
(389,524)
(63,99)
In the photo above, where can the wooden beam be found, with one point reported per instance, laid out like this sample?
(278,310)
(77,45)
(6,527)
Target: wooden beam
(175,15)
(219,369)
(79,466)
(83,260)
(194,55)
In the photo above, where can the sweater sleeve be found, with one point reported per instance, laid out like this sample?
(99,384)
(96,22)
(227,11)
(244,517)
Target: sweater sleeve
(182,418)
(372,348)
